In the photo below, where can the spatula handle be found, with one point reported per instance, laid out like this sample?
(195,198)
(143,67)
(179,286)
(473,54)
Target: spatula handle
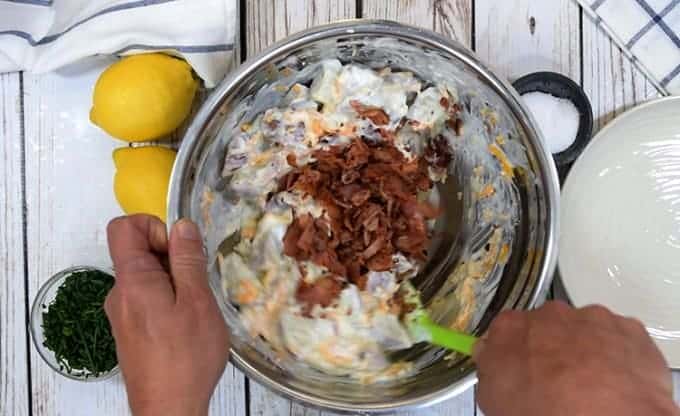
(447,338)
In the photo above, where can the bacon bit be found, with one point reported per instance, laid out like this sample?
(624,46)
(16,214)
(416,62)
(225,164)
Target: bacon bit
(387,134)
(290,248)
(456,108)
(370,197)
(381,262)
(398,305)
(303,270)
(273,124)
(438,152)
(377,245)
(376,114)
(360,197)
(361,282)
(349,176)
(322,291)
(444,102)
(456,125)
(329,259)
(308,239)
(292,160)
(428,210)
(357,154)
(385,154)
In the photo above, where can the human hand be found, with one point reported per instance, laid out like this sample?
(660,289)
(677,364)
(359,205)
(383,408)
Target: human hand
(558,360)
(171,339)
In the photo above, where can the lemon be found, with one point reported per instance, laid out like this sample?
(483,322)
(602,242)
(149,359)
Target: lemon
(142,177)
(143,97)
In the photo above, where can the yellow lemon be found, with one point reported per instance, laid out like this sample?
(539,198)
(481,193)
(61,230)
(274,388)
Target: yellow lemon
(143,97)
(142,177)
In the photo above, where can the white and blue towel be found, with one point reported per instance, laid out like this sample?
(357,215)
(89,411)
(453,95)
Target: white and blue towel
(648,31)
(43,35)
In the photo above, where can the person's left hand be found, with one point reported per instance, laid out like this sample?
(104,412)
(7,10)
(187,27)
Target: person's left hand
(171,339)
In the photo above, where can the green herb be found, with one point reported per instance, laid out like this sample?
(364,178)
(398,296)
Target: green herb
(75,326)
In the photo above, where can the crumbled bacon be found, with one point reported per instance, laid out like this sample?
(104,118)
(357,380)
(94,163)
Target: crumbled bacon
(369,194)
(309,239)
(322,291)
(399,306)
(376,114)
(438,152)
(292,160)
(456,125)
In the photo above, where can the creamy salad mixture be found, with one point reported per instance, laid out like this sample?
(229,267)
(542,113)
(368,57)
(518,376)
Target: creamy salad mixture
(335,203)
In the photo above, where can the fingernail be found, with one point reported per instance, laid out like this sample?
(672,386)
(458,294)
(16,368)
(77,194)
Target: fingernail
(188,230)
(116,220)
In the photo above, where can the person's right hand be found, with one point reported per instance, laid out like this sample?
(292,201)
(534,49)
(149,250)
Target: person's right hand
(558,360)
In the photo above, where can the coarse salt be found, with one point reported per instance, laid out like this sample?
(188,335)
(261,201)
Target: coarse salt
(558,119)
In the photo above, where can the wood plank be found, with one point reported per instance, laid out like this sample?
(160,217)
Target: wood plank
(266,403)
(452,18)
(69,175)
(612,83)
(271,20)
(229,398)
(14,381)
(519,37)
(676,392)
(523,36)
(268,21)
(69,179)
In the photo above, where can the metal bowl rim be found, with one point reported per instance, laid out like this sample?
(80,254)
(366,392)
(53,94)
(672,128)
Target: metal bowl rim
(432,40)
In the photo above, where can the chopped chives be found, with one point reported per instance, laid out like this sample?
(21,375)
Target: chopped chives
(75,326)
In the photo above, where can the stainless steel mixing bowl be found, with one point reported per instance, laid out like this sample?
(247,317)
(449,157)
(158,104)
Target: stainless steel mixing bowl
(526,276)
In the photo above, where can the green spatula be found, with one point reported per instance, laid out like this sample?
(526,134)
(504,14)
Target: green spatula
(423,329)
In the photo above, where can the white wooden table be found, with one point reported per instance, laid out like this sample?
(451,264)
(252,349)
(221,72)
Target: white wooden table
(56,172)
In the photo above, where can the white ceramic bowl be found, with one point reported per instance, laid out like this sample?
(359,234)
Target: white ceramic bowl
(620,222)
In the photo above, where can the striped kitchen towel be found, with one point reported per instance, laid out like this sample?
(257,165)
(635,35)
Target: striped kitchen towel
(648,31)
(43,35)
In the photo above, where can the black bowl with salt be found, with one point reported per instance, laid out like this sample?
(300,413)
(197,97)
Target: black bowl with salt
(552,99)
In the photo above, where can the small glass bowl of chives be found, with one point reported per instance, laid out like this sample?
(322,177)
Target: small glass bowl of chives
(68,325)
